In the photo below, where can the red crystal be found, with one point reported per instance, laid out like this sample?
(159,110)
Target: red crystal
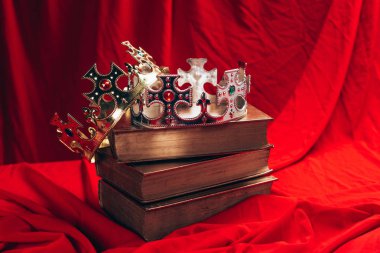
(168,95)
(105,84)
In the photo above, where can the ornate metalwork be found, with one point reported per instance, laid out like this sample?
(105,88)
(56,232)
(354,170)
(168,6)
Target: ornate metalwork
(157,98)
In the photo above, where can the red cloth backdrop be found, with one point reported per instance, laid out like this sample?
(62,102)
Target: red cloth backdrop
(315,68)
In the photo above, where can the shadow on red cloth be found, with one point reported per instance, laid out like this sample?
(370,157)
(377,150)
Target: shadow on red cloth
(315,69)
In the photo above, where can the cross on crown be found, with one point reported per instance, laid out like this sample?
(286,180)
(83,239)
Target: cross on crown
(206,101)
(156,98)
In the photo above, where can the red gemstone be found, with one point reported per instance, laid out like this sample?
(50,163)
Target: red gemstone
(105,84)
(168,95)
(107,98)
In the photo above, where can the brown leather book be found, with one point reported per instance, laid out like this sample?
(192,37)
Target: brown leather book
(153,181)
(155,220)
(133,144)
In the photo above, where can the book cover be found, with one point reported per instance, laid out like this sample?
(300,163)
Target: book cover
(133,144)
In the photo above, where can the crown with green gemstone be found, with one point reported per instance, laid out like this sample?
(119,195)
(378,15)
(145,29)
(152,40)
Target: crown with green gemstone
(192,97)
(156,98)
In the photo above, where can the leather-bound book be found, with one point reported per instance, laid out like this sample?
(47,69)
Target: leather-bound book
(133,144)
(153,181)
(155,220)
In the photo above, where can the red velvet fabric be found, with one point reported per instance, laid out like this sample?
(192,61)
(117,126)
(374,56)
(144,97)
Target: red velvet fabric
(315,67)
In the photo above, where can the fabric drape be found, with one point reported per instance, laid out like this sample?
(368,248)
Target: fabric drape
(315,68)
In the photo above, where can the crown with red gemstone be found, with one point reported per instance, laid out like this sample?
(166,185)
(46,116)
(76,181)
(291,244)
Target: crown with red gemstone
(193,97)
(156,99)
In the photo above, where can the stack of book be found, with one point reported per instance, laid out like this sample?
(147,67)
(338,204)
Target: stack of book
(157,180)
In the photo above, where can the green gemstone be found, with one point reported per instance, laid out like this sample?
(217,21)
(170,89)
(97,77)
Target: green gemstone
(232,90)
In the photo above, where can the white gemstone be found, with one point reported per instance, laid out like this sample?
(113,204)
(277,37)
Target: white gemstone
(112,92)
(96,93)
(111,77)
(95,78)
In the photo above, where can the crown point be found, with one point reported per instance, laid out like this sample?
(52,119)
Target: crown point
(242,64)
